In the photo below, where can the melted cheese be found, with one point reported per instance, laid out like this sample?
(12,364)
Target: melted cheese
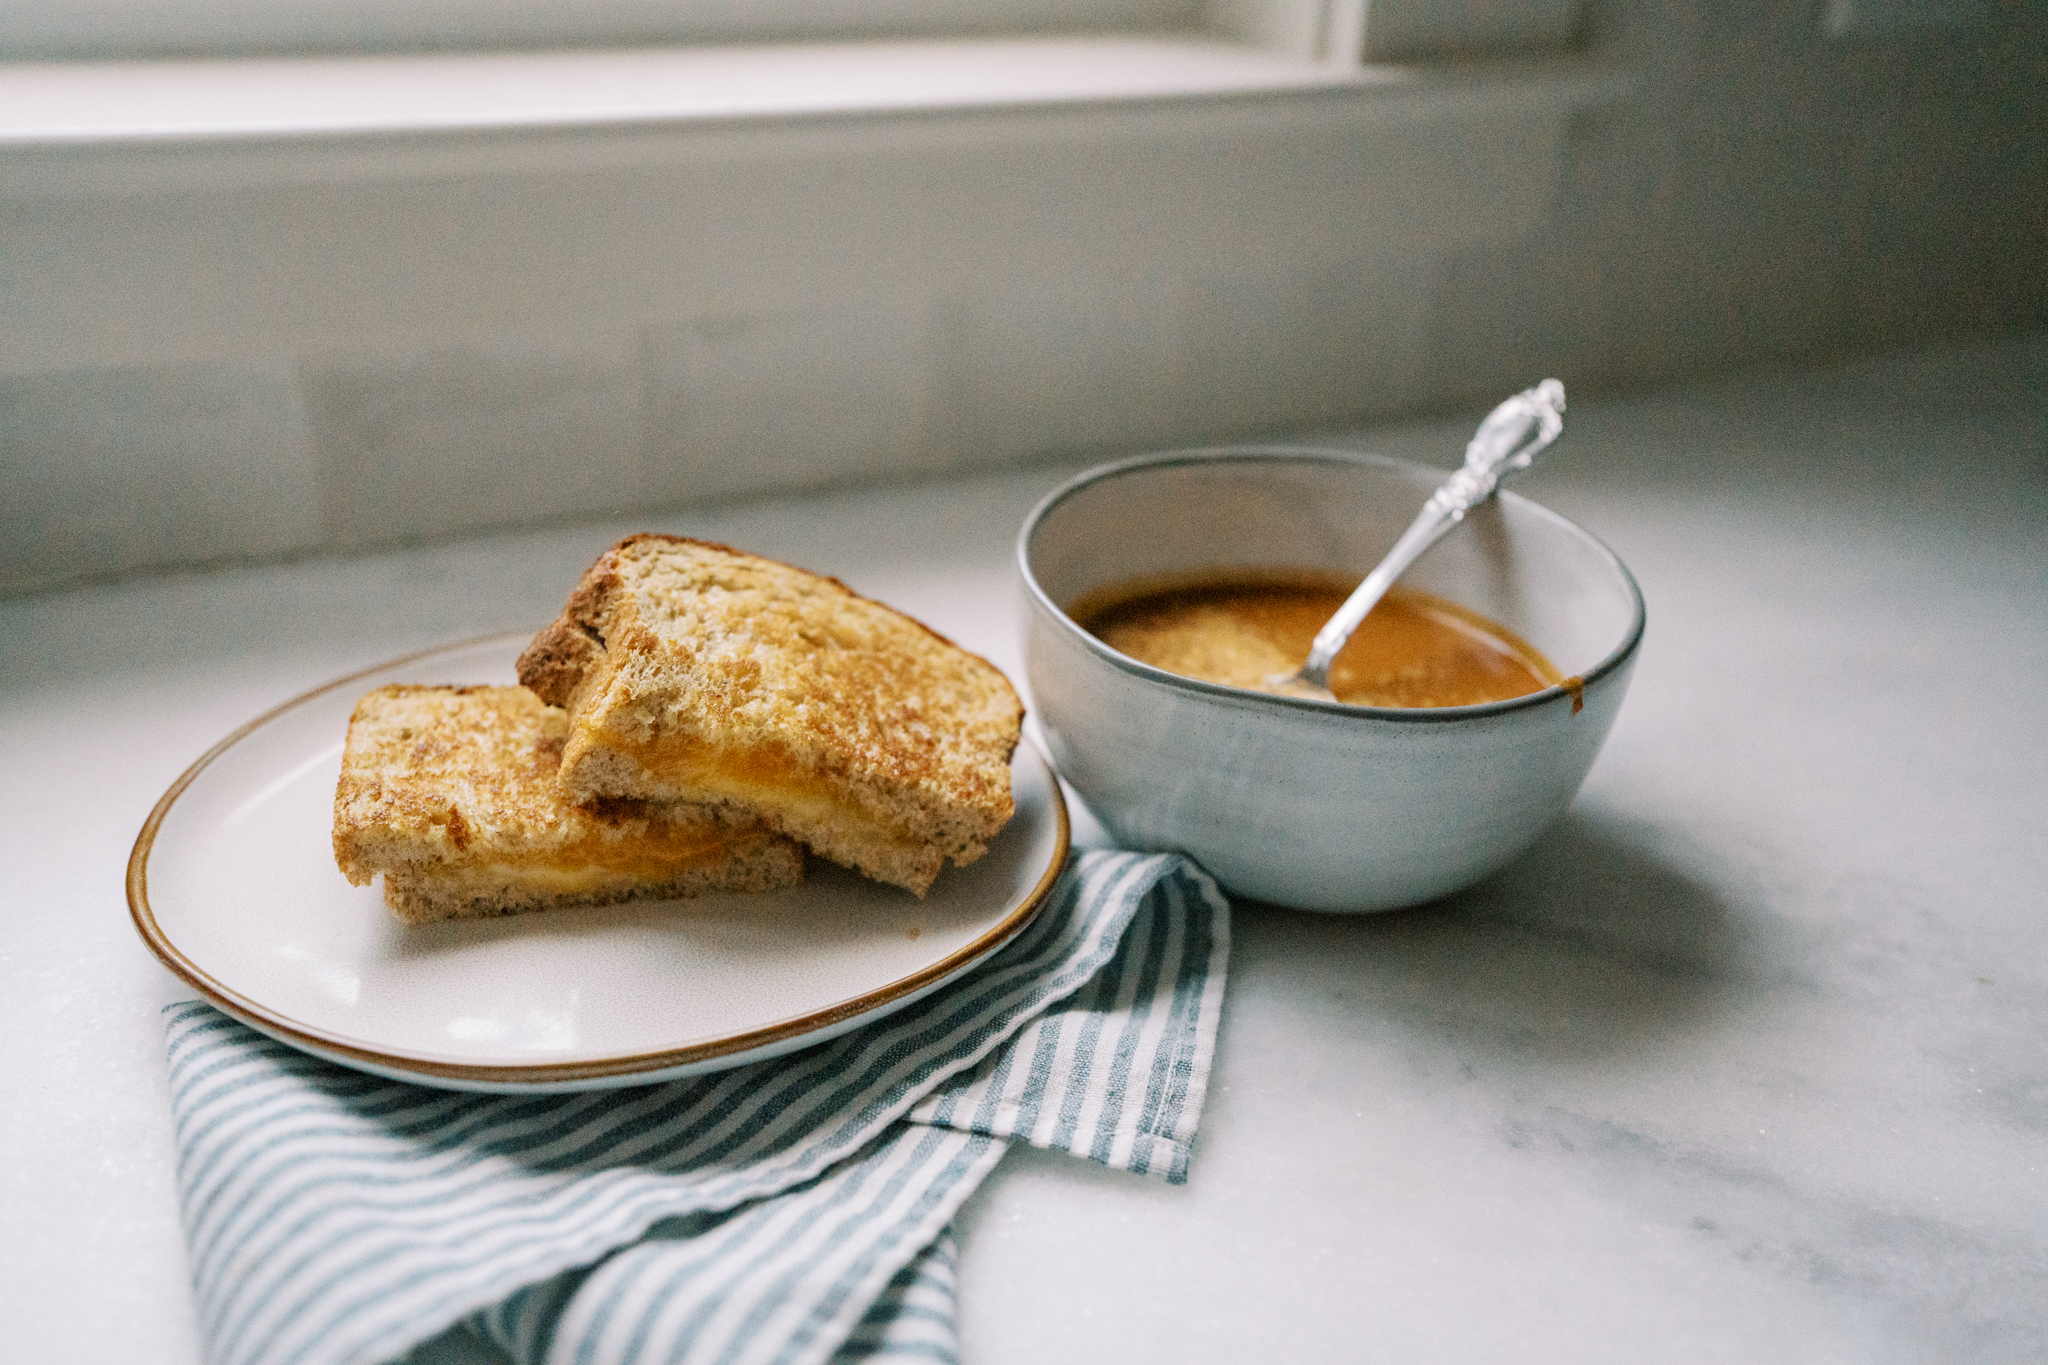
(766,780)
(661,850)
(601,857)
(553,881)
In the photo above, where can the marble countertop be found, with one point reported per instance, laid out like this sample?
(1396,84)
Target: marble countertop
(1747,1060)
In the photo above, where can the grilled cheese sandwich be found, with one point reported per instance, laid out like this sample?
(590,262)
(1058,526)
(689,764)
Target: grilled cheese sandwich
(695,672)
(451,794)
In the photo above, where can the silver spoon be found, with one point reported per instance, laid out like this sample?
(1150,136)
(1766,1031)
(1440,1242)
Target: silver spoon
(1510,439)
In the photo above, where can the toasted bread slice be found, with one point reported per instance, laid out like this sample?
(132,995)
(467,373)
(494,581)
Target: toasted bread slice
(696,672)
(450,792)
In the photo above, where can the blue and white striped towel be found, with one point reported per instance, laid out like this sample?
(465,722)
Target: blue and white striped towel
(791,1211)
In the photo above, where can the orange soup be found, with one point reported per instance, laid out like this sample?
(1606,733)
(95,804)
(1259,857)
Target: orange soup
(1412,650)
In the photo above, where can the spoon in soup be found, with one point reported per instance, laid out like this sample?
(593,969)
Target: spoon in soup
(1509,440)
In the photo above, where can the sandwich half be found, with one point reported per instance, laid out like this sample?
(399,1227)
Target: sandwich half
(696,672)
(450,793)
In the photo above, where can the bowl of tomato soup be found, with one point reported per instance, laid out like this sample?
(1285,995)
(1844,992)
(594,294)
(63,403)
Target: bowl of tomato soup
(1164,594)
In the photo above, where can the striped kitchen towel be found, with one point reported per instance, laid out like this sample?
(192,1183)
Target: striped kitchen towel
(794,1210)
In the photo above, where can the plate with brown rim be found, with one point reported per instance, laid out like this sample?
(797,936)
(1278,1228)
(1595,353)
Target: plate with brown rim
(232,884)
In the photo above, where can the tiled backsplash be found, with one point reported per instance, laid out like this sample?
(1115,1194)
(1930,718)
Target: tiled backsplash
(445,440)
(736,404)
(112,470)
(108,471)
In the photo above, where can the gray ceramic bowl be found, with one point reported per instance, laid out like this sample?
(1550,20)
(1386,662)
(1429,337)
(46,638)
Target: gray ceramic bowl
(1309,804)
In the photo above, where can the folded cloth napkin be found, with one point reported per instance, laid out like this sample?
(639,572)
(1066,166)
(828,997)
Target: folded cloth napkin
(792,1210)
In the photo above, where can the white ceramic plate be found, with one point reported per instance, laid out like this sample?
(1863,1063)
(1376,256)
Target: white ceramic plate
(233,885)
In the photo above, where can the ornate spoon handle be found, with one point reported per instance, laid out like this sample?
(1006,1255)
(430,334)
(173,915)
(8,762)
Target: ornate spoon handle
(1510,439)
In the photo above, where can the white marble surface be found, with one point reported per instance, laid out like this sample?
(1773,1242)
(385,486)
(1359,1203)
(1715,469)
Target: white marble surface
(1747,1061)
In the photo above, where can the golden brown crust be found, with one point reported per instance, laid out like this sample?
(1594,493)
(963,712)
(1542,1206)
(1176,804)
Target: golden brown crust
(695,671)
(557,660)
(562,655)
(451,794)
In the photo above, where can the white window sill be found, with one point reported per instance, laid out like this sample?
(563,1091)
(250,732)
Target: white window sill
(71,115)
(284,97)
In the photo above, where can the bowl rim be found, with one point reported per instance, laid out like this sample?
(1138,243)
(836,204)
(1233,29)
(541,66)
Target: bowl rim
(1224,692)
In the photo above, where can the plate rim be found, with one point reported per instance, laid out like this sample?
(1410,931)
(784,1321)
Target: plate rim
(323,1042)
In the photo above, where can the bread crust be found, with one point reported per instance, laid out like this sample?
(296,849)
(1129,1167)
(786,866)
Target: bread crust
(749,865)
(557,660)
(565,653)
(695,671)
(450,794)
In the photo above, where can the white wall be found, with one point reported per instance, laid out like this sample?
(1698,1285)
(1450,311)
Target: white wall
(220,364)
